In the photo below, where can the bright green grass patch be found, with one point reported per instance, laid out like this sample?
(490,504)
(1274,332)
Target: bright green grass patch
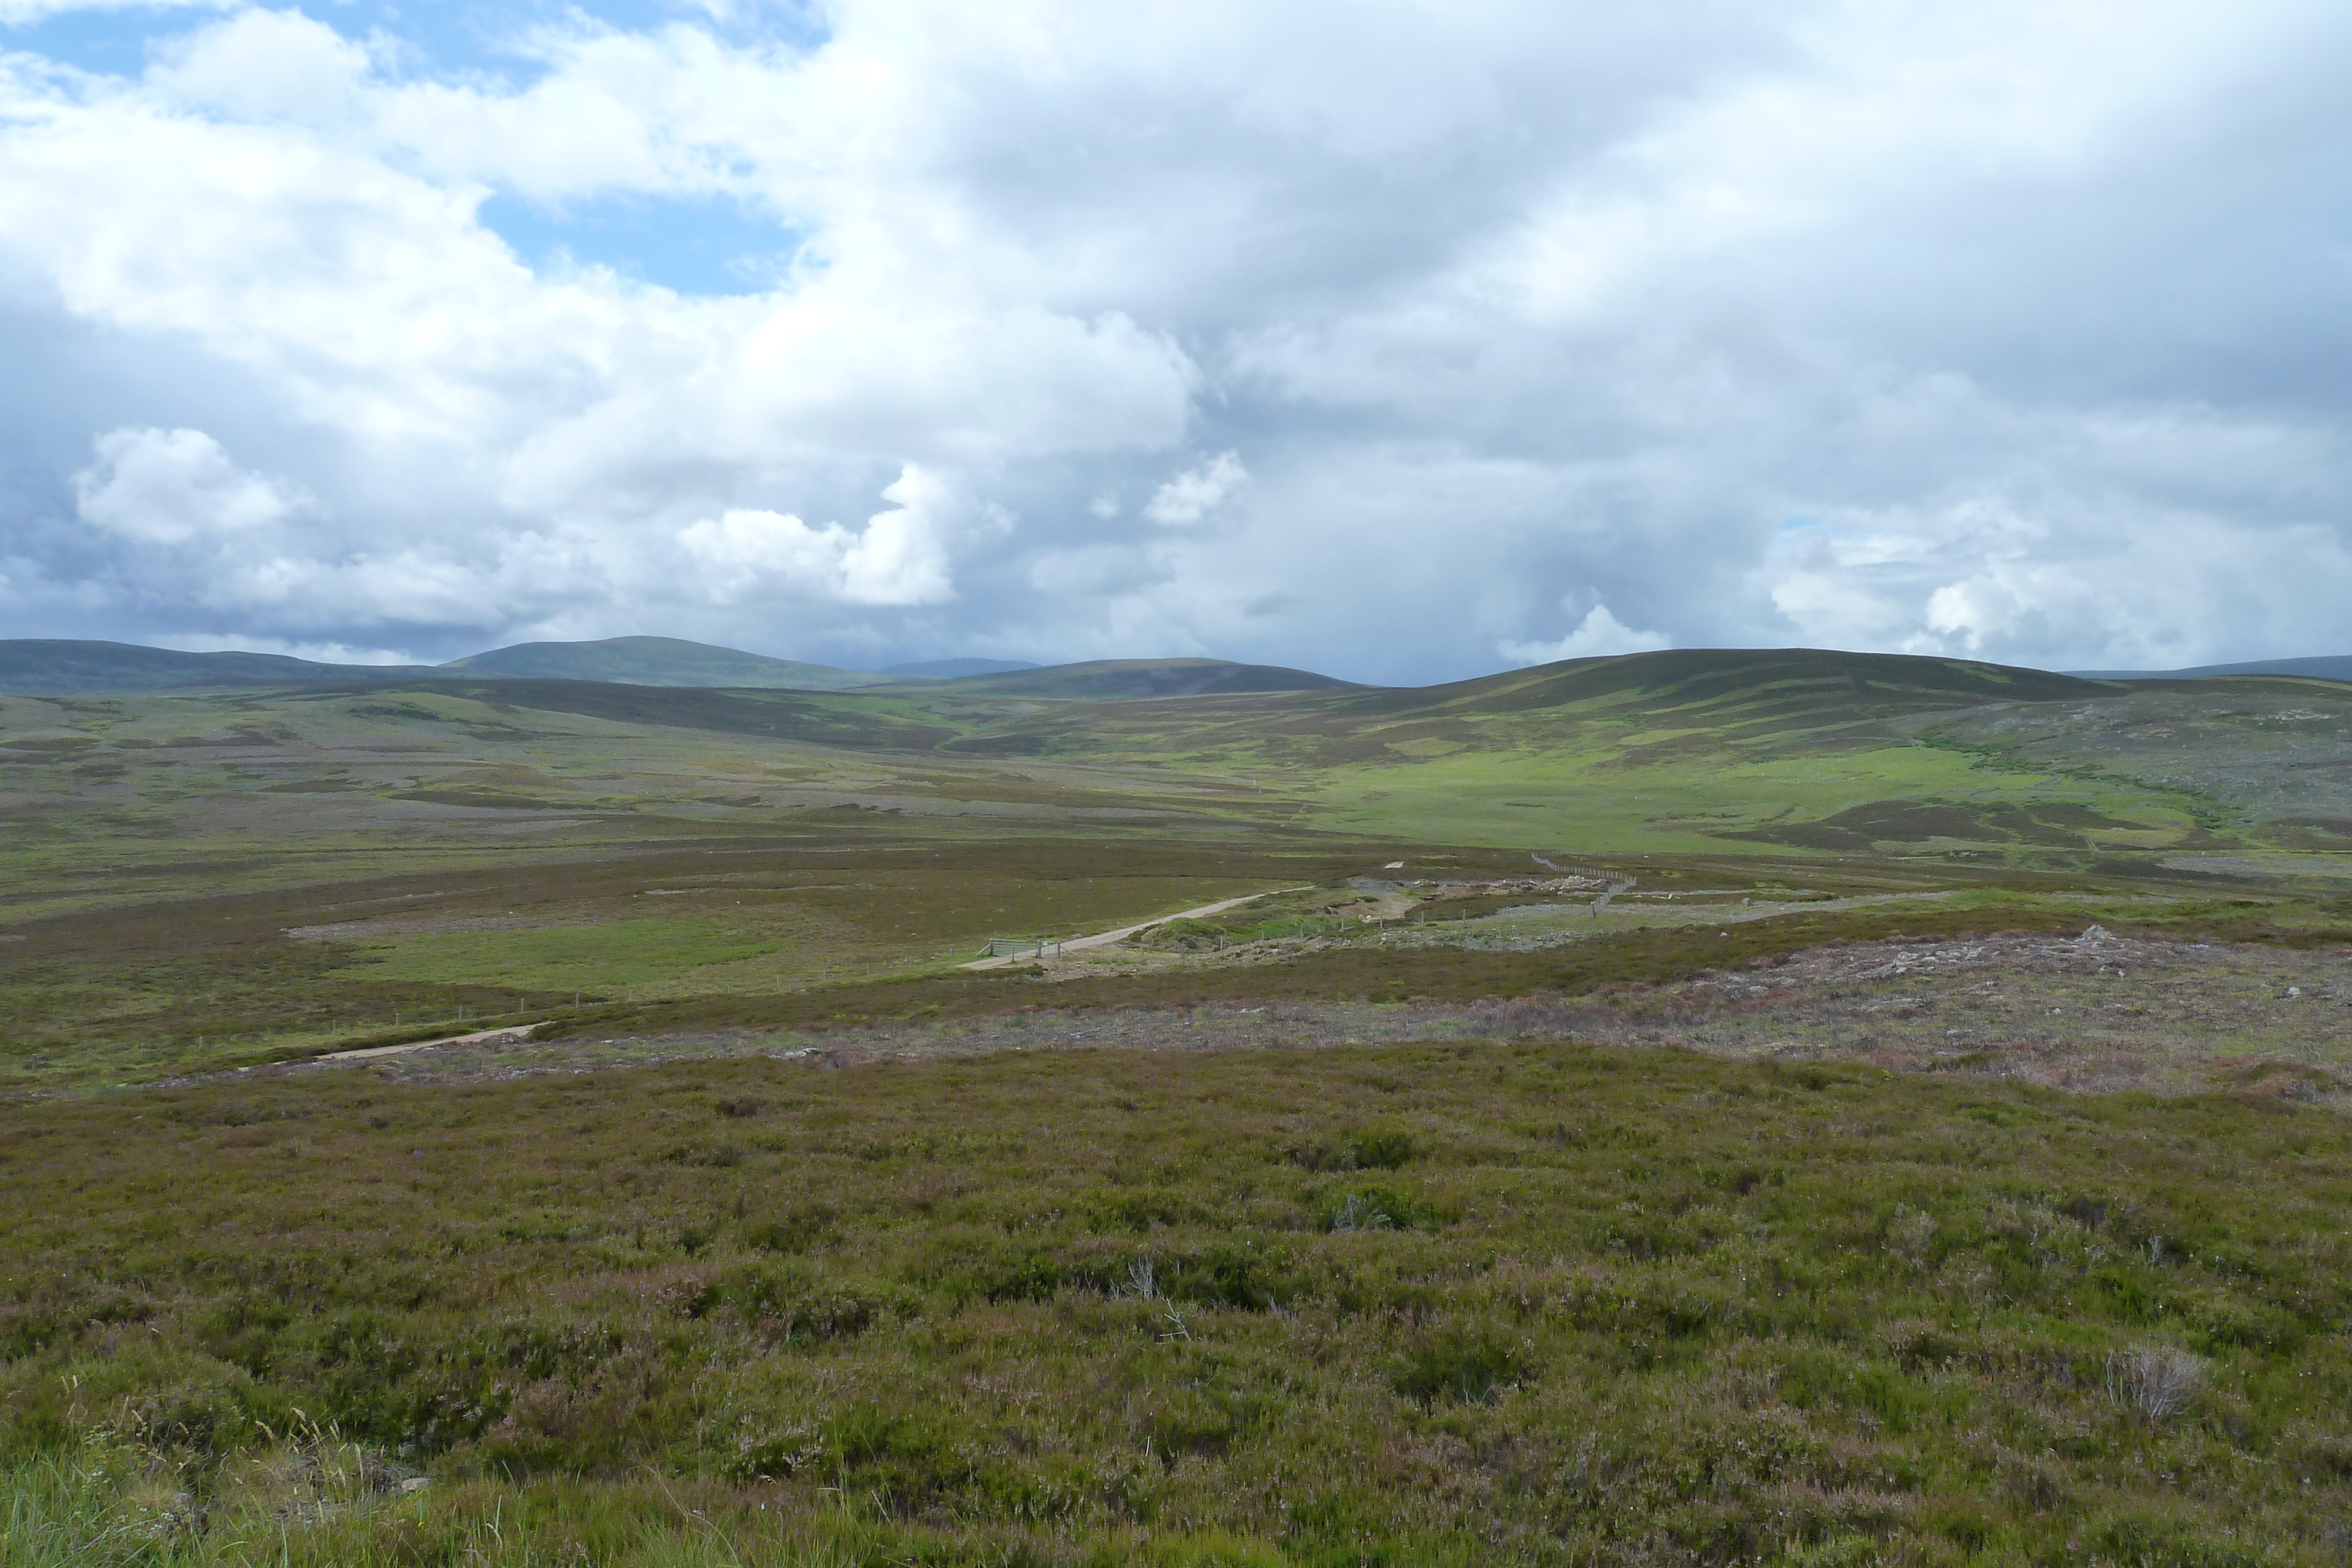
(1587,801)
(1551,798)
(611,956)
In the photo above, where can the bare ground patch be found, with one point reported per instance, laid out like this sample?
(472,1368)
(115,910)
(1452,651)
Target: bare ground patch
(2093,1013)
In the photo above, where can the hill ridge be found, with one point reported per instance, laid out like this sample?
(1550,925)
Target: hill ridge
(34,666)
(1133,679)
(2323,667)
(648,661)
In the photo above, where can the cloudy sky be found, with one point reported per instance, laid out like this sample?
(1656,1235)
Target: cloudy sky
(1405,341)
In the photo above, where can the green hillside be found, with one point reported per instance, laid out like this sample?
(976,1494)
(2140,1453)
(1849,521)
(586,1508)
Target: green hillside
(1755,752)
(1826,686)
(1684,751)
(471,843)
(30,665)
(1690,750)
(659,661)
(1757,1106)
(955,669)
(1105,680)
(2325,667)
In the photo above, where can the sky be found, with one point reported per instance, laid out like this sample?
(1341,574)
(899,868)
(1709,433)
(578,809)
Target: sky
(1405,342)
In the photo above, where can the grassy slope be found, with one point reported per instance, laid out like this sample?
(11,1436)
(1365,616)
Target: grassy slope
(1657,752)
(1467,1305)
(535,820)
(1667,752)
(1459,1304)
(659,661)
(46,664)
(1130,679)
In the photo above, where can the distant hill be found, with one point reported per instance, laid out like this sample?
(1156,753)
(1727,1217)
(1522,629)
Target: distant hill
(2327,667)
(1814,684)
(954,669)
(1113,680)
(659,661)
(1797,687)
(38,667)
(34,666)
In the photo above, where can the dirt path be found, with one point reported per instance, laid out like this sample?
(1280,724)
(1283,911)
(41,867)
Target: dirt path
(480,1037)
(1105,938)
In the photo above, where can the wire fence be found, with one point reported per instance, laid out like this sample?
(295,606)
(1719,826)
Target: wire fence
(1022,946)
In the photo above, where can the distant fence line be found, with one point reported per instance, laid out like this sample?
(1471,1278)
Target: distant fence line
(1038,946)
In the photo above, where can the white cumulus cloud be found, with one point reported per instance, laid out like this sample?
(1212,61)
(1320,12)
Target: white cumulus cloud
(1195,493)
(1599,635)
(901,557)
(169,486)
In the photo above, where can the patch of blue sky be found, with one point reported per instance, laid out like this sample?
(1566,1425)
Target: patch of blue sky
(701,247)
(464,35)
(111,42)
(434,38)
(451,37)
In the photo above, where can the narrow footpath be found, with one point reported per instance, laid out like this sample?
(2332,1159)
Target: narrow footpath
(1105,938)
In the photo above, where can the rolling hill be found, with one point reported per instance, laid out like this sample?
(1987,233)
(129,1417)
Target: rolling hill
(659,661)
(34,666)
(59,665)
(1726,705)
(2326,667)
(1116,680)
(956,669)
(1680,751)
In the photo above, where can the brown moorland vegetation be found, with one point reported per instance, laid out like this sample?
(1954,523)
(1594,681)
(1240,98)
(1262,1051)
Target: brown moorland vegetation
(1427,1214)
(1464,1303)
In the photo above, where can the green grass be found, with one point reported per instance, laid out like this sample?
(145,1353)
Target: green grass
(501,846)
(607,956)
(1459,1303)
(660,662)
(1466,1304)
(1588,800)
(129,993)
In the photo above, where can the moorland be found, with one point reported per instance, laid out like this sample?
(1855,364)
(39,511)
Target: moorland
(1690,1107)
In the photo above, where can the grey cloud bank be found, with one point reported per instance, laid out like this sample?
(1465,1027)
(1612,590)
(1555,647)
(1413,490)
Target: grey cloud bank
(1392,341)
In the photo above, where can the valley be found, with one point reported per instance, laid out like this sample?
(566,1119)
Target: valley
(1690,1107)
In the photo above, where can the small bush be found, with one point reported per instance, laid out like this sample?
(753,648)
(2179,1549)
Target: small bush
(789,1304)
(1376,1208)
(710,1156)
(793,1230)
(1465,1366)
(1228,1274)
(1381,1148)
(2155,1383)
(1370,1149)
